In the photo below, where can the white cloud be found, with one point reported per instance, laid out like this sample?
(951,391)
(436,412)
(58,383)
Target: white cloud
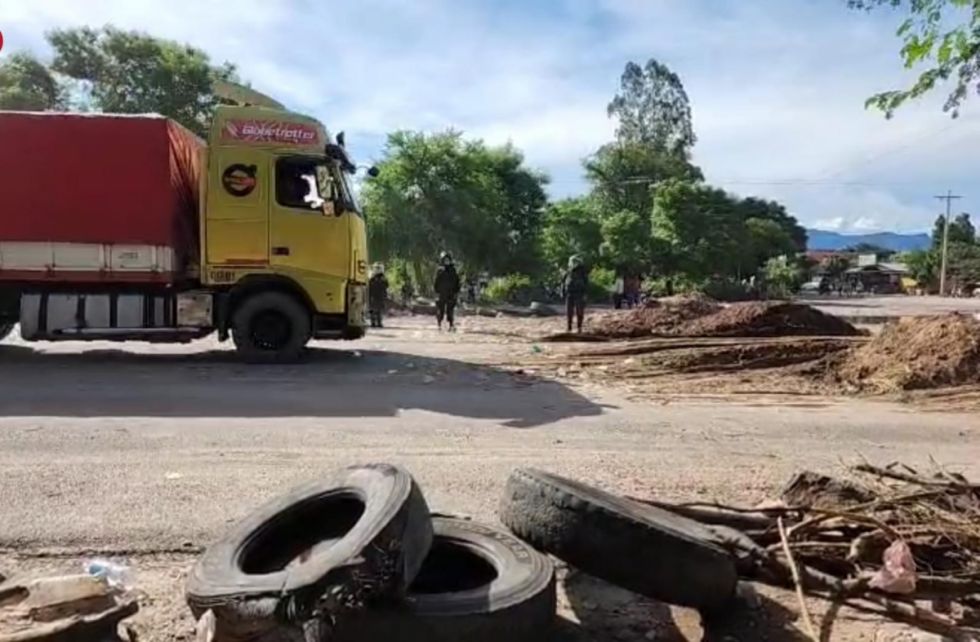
(777,88)
(835,224)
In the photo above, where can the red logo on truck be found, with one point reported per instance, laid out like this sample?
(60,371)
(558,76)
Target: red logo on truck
(270,131)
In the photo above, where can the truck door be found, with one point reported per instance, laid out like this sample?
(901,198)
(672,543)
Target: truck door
(237,226)
(306,230)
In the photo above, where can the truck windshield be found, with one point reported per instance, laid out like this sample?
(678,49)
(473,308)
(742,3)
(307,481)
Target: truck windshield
(350,194)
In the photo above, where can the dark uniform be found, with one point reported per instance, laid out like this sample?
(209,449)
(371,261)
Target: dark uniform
(377,295)
(575,284)
(447,288)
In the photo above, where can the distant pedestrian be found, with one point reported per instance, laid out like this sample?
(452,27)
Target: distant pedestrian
(631,290)
(619,291)
(377,295)
(575,284)
(447,286)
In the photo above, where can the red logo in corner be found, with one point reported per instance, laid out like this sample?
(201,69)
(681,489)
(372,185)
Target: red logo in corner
(1,41)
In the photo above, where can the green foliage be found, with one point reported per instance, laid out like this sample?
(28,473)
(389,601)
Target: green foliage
(963,263)
(625,240)
(757,208)
(601,283)
(961,230)
(648,210)
(571,226)
(399,275)
(697,230)
(764,239)
(624,175)
(27,85)
(782,276)
(439,191)
(512,288)
(923,265)
(943,36)
(131,72)
(653,109)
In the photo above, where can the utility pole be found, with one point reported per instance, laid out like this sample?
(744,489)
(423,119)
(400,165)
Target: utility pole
(949,198)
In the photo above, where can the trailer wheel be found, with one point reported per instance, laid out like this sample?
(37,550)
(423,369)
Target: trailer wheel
(5,330)
(270,327)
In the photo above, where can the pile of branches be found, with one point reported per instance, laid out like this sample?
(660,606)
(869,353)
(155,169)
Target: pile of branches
(885,539)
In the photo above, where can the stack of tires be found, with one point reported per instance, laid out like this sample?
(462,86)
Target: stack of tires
(358,557)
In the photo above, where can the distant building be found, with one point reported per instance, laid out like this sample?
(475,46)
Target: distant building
(871,275)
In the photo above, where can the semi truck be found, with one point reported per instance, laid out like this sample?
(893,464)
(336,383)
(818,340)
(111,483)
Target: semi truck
(130,227)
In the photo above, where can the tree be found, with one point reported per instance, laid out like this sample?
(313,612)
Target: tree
(923,265)
(571,226)
(961,230)
(782,276)
(624,176)
(26,84)
(131,72)
(524,205)
(625,241)
(763,240)
(943,35)
(697,231)
(653,109)
(963,263)
(440,192)
(757,208)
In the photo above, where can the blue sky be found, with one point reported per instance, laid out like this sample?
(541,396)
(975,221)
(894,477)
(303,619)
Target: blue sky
(777,86)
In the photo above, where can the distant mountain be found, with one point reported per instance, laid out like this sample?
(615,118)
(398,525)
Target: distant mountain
(821,240)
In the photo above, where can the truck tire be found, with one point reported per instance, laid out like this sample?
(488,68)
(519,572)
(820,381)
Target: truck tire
(478,584)
(314,555)
(271,327)
(5,330)
(641,548)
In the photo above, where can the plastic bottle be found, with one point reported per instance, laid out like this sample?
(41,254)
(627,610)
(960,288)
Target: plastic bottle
(116,575)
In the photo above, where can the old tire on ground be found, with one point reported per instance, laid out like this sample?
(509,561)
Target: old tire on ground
(314,554)
(644,549)
(478,584)
(5,330)
(271,327)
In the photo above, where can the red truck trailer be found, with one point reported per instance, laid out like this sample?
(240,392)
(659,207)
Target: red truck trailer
(97,199)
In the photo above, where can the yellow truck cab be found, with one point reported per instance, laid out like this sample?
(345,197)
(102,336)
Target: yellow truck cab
(282,235)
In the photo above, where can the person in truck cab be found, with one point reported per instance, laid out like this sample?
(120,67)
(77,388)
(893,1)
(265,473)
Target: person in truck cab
(377,294)
(447,288)
(574,286)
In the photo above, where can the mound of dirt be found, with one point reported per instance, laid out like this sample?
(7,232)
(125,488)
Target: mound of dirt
(764,319)
(916,353)
(666,317)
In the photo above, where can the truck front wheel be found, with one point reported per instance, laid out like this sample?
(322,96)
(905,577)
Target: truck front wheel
(270,327)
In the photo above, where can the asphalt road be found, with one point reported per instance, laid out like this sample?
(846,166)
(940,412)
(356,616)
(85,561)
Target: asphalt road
(156,447)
